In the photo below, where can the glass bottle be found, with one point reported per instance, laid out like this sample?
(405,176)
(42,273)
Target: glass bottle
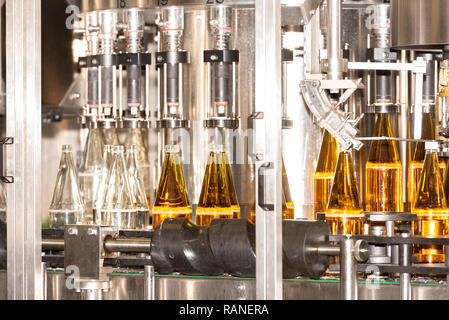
(344,213)
(136,137)
(67,205)
(103,184)
(111,136)
(118,204)
(231,187)
(431,208)
(137,189)
(2,202)
(90,171)
(290,212)
(324,173)
(416,165)
(214,202)
(383,171)
(171,200)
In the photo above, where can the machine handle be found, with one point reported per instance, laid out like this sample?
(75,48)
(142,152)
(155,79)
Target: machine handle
(266,199)
(3,177)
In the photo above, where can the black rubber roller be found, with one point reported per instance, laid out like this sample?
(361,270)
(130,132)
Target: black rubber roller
(299,241)
(180,246)
(233,244)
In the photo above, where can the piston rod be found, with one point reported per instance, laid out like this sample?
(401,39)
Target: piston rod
(128,245)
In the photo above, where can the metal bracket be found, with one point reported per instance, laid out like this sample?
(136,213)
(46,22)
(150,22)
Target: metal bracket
(3,177)
(329,117)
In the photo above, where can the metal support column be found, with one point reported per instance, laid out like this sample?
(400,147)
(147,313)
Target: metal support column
(23,110)
(268,150)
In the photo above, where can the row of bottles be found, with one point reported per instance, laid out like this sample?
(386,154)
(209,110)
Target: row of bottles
(110,189)
(336,191)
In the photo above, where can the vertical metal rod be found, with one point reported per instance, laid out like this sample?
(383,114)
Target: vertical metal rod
(446,262)
(348,270)
(44,280)
(149,287)
(334,49)
(100,105)
(405,255)
(390,232)
(419,83)
(181,91)
(23,122)
(269,147)
(114,92)
(403,126)
(120,90)
(147,92)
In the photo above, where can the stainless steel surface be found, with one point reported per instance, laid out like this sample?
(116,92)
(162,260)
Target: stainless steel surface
(269,141)
(419,23)
(130,286)
(149,285)
(23,122)
(348,267)
(44,280)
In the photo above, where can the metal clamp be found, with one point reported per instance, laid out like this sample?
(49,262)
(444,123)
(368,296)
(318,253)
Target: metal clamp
(3,177)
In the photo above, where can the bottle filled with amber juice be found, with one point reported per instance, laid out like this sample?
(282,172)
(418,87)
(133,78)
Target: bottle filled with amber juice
(324,173)
(215,201)
(171,200)
(383,170)
(344,214)
(430,207)
(231,187)
(416,165)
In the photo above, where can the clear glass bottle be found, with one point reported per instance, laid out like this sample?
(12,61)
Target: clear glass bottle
(324,173)
(383,171)
(67,206)
(118,204)
(103,184)
(136,137)
(214,202)
(231,187)
(431,208)
(111,136)
(344,213)
(171,200)
(416,165)
(138,192)
(2,202)
(90,170)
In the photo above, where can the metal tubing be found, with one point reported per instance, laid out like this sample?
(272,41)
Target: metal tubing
(334,39)
(44,280)
(52,244)
(348,270)
(403,126)
(405,259)
(128,245)
(329,250)
(149,287)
